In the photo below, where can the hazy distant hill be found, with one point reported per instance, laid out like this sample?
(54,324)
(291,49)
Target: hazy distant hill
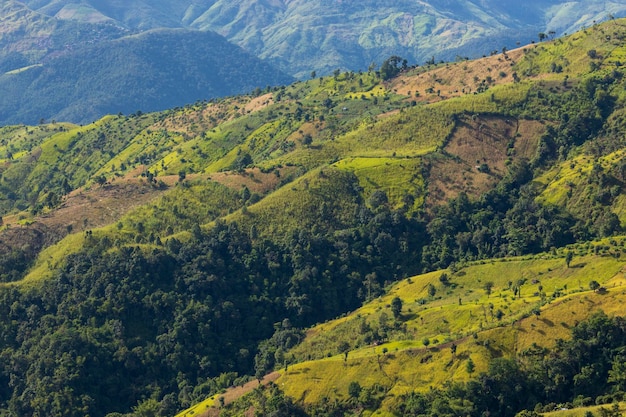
(67,60)
(322,35)
(79,70)
(150,71)
(28,37)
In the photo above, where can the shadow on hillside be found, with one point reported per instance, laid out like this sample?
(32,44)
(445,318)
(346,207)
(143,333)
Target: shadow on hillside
(408,317)
(298,371)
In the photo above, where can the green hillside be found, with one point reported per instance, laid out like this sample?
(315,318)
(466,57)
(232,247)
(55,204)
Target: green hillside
(430,340)
(354,240)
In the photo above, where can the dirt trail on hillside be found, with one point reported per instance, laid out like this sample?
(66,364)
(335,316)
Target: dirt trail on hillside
(234,393)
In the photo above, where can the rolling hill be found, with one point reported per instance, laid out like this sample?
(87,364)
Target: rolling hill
(357,238)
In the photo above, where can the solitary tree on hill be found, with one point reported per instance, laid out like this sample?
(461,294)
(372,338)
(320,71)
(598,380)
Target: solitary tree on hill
(396,307)
(354,389)
(431,290)
(344,347)
(391,67)
(101,180)
(488,287)
(470,367)
(594,285)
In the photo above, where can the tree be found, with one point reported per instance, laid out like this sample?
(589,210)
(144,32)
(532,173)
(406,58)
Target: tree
(617,374)
(527,413)
(431,290)
(245,194)
(101,180)
(469,366)
(537,312)
(354,389)
(146,408)
(279,357)
(542,36)
(396,307)
(391,67)
(594,285)
(378,198)
(488,286)
(344,347)
(242,161)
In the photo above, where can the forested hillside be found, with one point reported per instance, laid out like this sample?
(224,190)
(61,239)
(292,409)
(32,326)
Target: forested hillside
(444,214)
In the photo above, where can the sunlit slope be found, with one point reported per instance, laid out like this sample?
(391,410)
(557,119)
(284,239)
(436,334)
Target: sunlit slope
(480,311)
(464,316)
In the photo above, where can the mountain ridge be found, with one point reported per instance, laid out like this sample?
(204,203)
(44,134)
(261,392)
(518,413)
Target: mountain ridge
(325,35)
(149,71)
(241,226)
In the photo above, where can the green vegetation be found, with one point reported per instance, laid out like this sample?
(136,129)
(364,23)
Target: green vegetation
(335,236)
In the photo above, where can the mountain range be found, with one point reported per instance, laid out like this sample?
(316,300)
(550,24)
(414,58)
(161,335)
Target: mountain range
(446,239)
(74,71)
(65,60)
(301,36)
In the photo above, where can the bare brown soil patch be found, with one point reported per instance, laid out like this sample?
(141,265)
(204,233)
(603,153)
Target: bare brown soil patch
(100,206)
(234,393)
(259,103)
(459,78)
(309,128)
(256,180)
(475,158)
(196,119)
(81,210)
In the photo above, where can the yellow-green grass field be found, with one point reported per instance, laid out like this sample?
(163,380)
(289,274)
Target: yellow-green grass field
(403,363)
(459,314)
(398,177)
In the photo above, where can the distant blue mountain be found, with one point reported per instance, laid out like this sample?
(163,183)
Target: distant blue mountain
(323,35)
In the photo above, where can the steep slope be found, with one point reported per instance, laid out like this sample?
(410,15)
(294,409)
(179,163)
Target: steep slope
(478,313)
(28,37)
